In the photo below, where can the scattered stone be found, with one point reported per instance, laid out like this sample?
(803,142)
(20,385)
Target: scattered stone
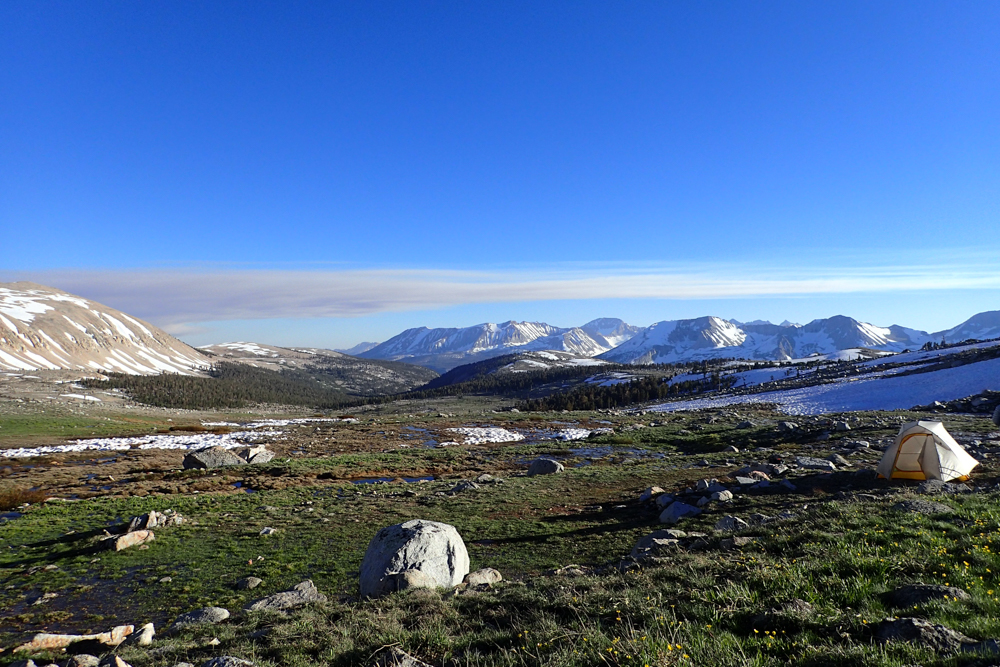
(664,500)
(649,494)
(119,542)
(255,455)
(745,424)
(787,427)
(464,485)
(396,657)
(212,457)
(676,511)
(730,524)
(839,460)
(227,661)
(917,594)
(484,577)
(922,507)
(745,481)
(44,640)
(814,463)
(297,596)
(936,486)
(730,543)
(787,484)
(206,616)
(841,426)
(701,502)
(487,478)
(83,660)
(722,496)
(544,466)
(918,631)
(267,530)
(732,449)
(113,661)
(141,637)
(759,476)
(248,583)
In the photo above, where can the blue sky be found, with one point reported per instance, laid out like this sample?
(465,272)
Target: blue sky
(326,173)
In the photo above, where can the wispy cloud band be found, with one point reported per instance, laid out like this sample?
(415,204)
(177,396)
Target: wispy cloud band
(173,298)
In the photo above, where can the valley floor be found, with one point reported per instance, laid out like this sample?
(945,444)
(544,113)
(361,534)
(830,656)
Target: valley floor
(814,586)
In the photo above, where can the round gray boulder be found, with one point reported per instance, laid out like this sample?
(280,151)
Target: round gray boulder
(434,549)
(544,467)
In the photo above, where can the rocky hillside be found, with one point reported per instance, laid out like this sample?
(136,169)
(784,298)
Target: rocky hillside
(362,377)
(43,328)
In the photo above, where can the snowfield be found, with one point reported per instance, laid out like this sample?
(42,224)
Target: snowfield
(192,441)
(475,435)
(875,391)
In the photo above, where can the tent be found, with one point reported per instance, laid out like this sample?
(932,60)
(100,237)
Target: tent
(925,450)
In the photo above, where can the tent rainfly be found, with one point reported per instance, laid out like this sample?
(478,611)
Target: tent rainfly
(925,450)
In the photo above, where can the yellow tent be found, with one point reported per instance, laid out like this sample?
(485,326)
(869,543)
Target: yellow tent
(925,450)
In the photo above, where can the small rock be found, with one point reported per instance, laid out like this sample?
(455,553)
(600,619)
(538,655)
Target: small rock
(787,484)
(268,531)
(729,543)
(814,463)
(113,661)
(297,596)
(730,524)
(745,424)
(649,494)
(485,478)
(486,576)
(464,485)
(839,460)
(212,457)
(701,502)
(786,427)
(917,594)
(732,449)
(664,500)
(745,481)
(248,583)
(227,661)
(119,542)
(396,657)
(922,507)
(83,660)
(676,511)
(544,466)
(722,496)
(936,486)
(923,633)
(841,426)
(141,637)
(205,616)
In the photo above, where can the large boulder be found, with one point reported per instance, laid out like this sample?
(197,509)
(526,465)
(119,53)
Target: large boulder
(544,467)
(212,457)
(434,549)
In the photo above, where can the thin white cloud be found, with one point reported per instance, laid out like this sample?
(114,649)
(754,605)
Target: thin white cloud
(177,298)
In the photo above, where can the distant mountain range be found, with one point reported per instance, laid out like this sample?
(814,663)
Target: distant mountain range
(670,341)
(443,349)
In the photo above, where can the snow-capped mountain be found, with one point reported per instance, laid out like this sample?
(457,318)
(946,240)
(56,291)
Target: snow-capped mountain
(42,328)
(713,337)
(443,349)
(981,327)
(610,331)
